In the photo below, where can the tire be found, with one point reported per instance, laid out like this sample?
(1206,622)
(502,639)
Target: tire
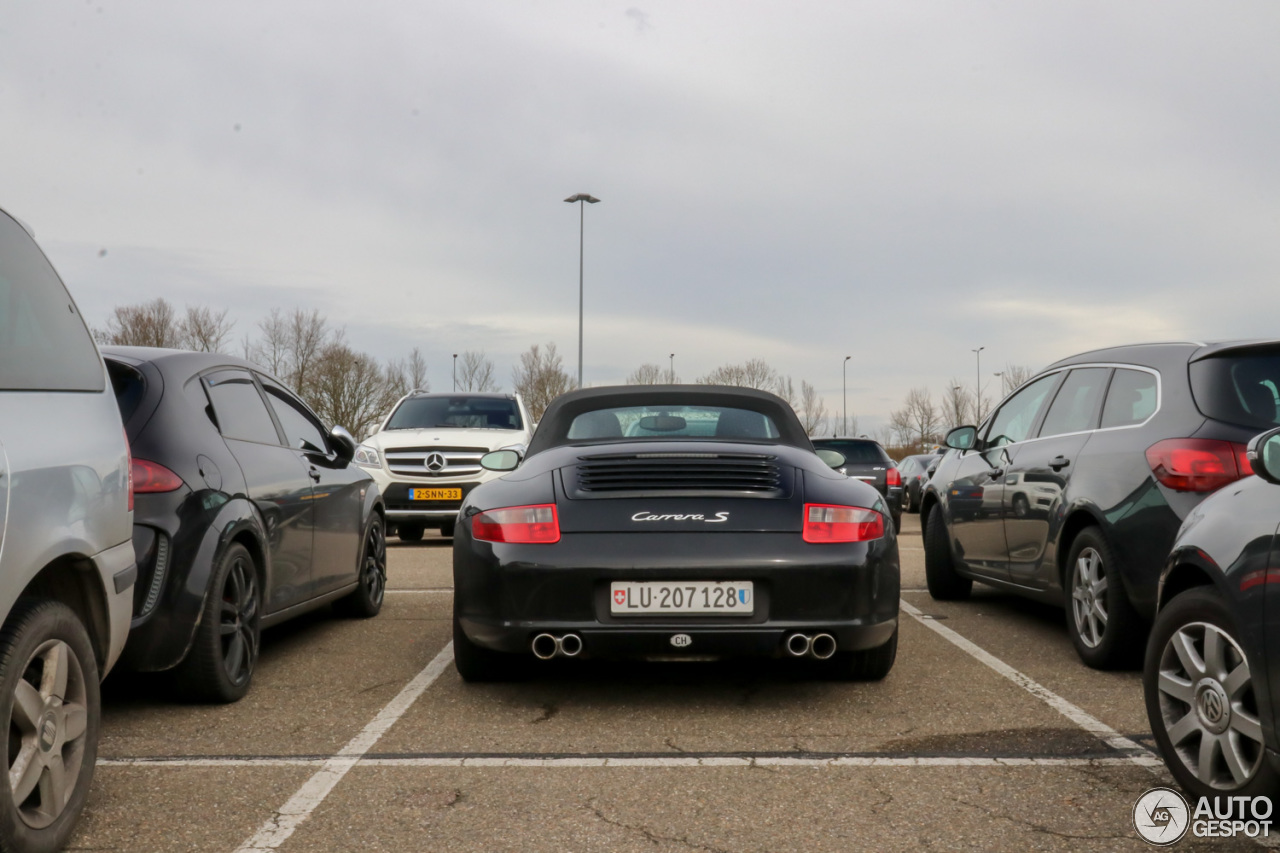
(868,664)
(219,667)
(1104,627)
(897,519)
(42,639)
(945,583)
(905,503)
(910,500)
(1183,683)
(477,664)
(1021,507)
(371,574)
(409,532)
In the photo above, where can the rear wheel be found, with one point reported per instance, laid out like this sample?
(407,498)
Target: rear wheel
(49,694)
(409,532)
(446,529)
(945,583)
(367,599)
(867,664)
(478,664)
(220,664)
(1106,630)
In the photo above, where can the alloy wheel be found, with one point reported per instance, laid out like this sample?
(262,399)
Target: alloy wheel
(373,574)
(47,733)
(1208,706)
(238,622)
(1089,597)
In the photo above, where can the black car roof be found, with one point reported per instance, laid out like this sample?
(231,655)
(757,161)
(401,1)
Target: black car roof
(553,429)
(176,361)
(1161,351)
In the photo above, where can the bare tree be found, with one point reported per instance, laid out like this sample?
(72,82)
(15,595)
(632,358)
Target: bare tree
(917,422)
(1012,377)
(786,389)
(416,372)
(148,324)
(476,373)
(292,343)
(204,329)
(649,374)
(754,373)
(350,388)
(540,378)
(812,410)
(956,405)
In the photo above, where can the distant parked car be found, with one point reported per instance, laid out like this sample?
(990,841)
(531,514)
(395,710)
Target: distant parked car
(425,456)
(1086,473)
(868,461)
(1213,659)
(66,565)
(248,513)
(914,471)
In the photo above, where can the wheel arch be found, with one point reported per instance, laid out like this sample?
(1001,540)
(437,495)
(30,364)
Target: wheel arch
(1079,519)
(72,579)
(1186,568)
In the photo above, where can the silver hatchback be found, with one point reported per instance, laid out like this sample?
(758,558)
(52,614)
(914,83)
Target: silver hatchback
(66,554)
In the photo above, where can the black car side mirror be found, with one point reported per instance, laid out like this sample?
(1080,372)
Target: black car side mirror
(1264,455)
(500,460)
(344,443)
(962,438)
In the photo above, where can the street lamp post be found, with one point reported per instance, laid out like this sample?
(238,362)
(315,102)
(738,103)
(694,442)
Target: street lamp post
(672,375)
(844,391)
(977,379)
(589,199)
(455,371)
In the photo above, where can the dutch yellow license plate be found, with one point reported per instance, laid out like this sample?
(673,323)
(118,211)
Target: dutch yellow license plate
(435,494)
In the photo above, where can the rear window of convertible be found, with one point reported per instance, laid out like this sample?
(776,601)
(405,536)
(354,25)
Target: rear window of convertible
(673,422)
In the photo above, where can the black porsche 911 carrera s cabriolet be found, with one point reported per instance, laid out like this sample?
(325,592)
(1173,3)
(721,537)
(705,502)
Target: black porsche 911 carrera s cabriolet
(677,520)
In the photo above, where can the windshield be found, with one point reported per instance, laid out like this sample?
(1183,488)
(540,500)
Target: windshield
(672,422)
(1240,388)
(456,413)
(857,452)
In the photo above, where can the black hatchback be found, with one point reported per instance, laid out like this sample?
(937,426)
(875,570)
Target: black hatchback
(868,461)
(247,513)
(1072,490)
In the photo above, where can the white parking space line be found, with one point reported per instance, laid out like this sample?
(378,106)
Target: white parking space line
(290,816)
(648,761)
(1091,724)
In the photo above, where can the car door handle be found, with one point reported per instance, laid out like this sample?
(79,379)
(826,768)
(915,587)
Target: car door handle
(1059,462)
(315,474)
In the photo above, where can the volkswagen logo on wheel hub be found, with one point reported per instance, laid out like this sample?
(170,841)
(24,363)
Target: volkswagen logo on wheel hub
(435,462)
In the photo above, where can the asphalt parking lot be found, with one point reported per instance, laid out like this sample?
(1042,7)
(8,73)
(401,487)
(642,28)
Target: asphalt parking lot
(359,735)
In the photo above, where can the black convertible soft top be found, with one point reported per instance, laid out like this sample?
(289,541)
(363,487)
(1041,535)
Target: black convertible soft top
(553,429)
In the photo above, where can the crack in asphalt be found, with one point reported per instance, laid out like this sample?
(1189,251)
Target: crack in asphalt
(549,710)
(649,835)
(1040,828)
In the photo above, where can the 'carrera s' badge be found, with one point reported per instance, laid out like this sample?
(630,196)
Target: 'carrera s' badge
(649,516)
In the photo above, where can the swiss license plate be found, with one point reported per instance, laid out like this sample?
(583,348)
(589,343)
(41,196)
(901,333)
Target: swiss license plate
(435,494)
(645,598)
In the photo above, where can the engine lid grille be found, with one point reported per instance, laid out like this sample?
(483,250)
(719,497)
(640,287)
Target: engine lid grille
(683,473)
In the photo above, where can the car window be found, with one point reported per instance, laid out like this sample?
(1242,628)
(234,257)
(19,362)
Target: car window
(1239,387)
(44,343)
(130,387)
(1131,399)
(672,422)
(1016,417)
(239,407)
(456,412)
(1076,403)
(300,427)
(858,452)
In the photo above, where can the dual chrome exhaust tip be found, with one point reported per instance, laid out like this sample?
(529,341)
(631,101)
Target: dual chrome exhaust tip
(819,646)
(548,646)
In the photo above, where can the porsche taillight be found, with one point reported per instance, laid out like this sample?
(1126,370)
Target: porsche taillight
(826,523)
(521,524)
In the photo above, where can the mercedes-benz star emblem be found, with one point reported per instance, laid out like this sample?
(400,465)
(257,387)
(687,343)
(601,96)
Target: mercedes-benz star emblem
(435,462)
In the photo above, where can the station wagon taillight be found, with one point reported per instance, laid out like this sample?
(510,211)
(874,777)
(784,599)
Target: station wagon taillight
(152,477)
(533,525)
(826,523)
(893,477)
(1197,464)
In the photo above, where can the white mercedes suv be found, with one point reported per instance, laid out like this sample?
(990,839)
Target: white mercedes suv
(426,455)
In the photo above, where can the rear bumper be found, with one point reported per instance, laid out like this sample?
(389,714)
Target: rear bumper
(505,595)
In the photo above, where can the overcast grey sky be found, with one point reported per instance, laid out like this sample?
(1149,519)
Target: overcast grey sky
(794,181)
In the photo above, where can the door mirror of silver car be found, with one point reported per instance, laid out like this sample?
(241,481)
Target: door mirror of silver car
(500,460)
(343,442)
(1264,455)
(833,458)
(962,438)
